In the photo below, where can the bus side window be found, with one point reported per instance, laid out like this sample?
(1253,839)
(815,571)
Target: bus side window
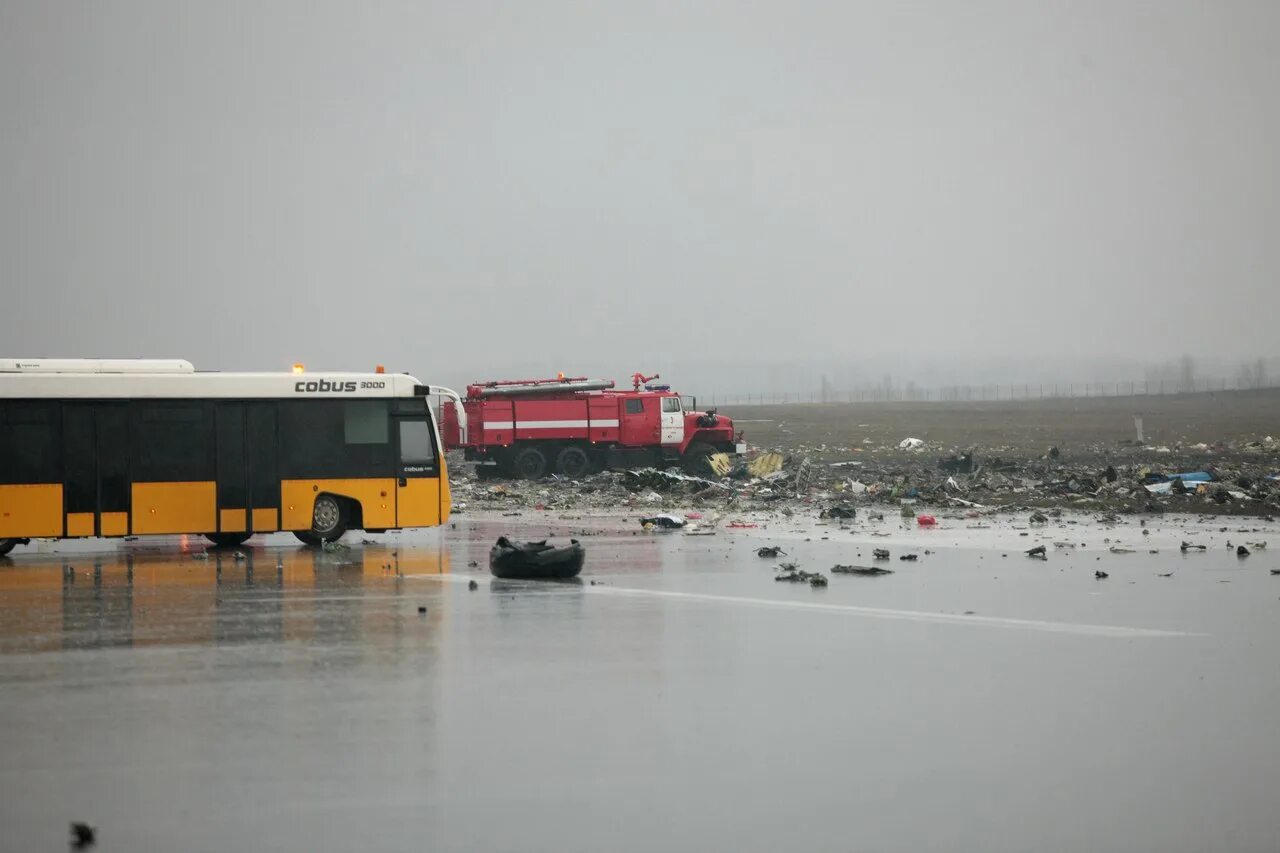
(335,438)
(416,445)
(30,438)
(365,422)
(172,442)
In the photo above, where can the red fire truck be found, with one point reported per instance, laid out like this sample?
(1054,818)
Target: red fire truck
(572,426)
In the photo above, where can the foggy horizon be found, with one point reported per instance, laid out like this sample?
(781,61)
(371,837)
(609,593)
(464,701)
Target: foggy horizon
(733,197)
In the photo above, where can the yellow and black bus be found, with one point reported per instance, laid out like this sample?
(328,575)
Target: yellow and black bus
(137,447)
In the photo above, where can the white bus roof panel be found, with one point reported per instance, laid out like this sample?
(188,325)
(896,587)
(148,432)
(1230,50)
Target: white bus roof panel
(337,386)
(95,365)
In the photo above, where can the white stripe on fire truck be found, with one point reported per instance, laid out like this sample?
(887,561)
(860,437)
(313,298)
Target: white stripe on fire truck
(551,425)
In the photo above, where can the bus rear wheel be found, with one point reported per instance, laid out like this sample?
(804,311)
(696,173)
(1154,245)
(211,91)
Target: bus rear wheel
(6,545)
(530,464)
(227,540)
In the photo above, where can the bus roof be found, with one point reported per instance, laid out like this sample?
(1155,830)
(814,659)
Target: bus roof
(128,378)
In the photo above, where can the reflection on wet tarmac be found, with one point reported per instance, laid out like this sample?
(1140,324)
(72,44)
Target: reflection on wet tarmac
(674,697)
(128,598)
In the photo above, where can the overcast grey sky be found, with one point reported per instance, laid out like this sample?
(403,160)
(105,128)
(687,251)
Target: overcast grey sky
(468,189)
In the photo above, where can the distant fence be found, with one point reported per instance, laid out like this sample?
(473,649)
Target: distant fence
(988,392)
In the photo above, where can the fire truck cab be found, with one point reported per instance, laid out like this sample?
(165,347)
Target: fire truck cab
(572,426)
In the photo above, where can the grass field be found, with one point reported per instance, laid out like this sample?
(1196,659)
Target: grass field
(1089,426)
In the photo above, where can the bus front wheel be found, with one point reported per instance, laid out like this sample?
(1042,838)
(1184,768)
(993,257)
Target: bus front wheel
(328,518)
(6,545)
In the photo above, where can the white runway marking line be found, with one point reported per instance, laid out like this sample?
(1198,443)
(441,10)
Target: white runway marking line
(874,612)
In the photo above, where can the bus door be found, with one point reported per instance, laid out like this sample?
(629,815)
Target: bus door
(418,472)
(262,459)
(248,476)
(95,468)
(233,475)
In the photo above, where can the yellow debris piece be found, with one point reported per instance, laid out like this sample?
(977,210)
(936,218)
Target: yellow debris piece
(764,464)
(720,463)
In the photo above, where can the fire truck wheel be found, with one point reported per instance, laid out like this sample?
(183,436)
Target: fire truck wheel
(530,464)
(697,459)
(573,462)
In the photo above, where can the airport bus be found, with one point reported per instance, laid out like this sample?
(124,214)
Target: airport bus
(123,447)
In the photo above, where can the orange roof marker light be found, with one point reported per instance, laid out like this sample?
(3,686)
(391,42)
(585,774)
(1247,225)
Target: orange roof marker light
(379,369)
(297,368)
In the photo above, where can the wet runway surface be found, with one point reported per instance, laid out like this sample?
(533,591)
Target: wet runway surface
(298,700)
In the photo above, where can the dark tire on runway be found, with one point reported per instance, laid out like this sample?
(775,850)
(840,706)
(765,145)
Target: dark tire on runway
(306,537)
(6,545)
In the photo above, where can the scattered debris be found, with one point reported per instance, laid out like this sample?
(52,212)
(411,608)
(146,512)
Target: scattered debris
(910,558)
(1242,551)
(1187,546)
(472,585)
(957,463)
(1039,552)
(665,520)
(1100,575)
(880,553)
(769,551)
(794,575)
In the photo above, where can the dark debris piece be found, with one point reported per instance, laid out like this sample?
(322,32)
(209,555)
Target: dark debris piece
(911,558)
(83,836)
(1187,546)
(880,553)
(1039,552)
(769,551)
(868,571)
(1101,575)
(1242,551)
(796,576)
